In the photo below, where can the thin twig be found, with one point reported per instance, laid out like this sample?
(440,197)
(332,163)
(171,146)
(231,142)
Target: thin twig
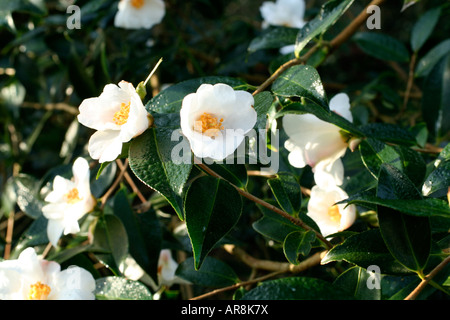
(114,185)
(413,295)
(130,181)
(409,84)
(9,236)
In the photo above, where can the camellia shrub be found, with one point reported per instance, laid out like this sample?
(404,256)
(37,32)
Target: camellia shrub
(233,150)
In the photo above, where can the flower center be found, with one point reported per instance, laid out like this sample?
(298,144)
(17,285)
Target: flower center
(121,116)
(38,291)
(72,196)
(208,124)
(334,214)
(137,3)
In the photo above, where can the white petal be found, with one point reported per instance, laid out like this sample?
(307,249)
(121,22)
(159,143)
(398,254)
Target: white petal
(75,283)
(340,104)
(147,16)
(328,174)
(105,145)
(55,229)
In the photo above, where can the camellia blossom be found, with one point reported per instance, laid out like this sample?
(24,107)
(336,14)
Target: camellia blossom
(287,13)
(118,115)
(32,278)
(166,269)
(329,216)
(216,118)
(68,202)
(318,143)
(137,14)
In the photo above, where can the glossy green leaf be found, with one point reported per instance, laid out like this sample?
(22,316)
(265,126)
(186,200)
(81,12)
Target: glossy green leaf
(118,288)
(273,37)
(35,235)
(297,288)
(212,273)
(170,99)
(301,81)
(331,117)
(382,46)
(355,281)
(365,249)
(287,192)
(26,192)
(263,103)
(408,3)
(436,98)
(387,132)
(428,207)
(407,237)
(423,28)
(329,13)
(110,241)
(438,182)
(298,243)
(150,158)
(212,208)
(143,233)
(374,153)
(431,58)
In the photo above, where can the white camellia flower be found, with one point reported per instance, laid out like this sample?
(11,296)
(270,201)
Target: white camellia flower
(166,268)
(137,14)
(329,217)
(216,118)
(118,115)
(68,202)
(32,278)
(318,143)
(288,13)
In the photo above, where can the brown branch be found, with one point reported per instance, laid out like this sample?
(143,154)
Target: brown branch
(114,185)
(427,279)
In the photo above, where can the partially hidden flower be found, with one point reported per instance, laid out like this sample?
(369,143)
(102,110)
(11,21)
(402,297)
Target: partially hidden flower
(166,269)
(68,202)
(32,278)
(287,13)
(318,143)
(329,216)
(118,115)
(137,14)
(216,118)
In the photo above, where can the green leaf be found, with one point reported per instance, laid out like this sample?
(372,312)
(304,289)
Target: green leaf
(389,133)
(329,13)
(428,207)
(407,237)
(26,192)
(212,207)
(423,28)
(150,158)
(287,192)
(438,182)
(170,99)
(374,153)
(143,233)
(431,58)
(273,37)
(382,46)
(212,273)
(436,98)
(263,103)
(298,243)
(296,288)
(365,249)
(301,81)
(110,241)
(408,3)
(331,117)
(355,280)
(117,288)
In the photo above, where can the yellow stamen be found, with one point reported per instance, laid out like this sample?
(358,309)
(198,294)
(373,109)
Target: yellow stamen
(72,196)
(38,291)
(208,124)
(121,116)
(137,3)
(334,213)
